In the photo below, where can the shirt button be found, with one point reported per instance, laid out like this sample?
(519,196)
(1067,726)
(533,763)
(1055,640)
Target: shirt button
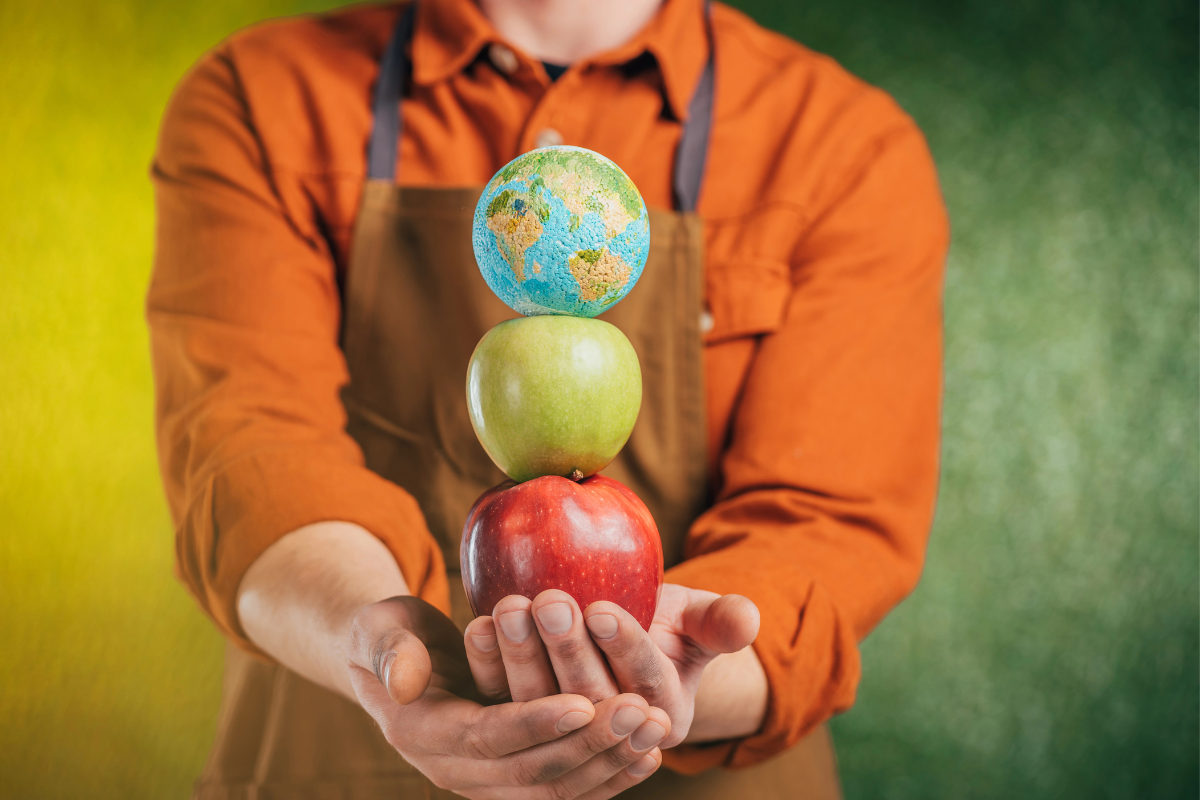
(548,137)
(706,322)
(504,58)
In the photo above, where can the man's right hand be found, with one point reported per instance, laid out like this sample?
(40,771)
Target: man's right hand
(409,670)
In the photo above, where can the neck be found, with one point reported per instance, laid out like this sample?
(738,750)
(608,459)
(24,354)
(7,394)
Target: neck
(566,31)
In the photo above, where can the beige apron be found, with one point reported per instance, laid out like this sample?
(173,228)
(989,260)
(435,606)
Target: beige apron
(415,307)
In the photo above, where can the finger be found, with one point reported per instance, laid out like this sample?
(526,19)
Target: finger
(615,719)
(442,723)
(578,663)
(526,664)
(493,732)
(632,775)
(382,645)
(404,667)
(461,740)
(636,661)
(721,623)
(616,761)
(483,654)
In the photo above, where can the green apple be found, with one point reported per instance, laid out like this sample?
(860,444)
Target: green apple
(553,395)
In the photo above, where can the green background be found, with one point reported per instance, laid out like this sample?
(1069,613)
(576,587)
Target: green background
(1051,650)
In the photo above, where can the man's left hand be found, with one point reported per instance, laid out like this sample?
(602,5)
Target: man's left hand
(603,651)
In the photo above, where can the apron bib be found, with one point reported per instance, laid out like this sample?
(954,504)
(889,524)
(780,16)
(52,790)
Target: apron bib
(415,307)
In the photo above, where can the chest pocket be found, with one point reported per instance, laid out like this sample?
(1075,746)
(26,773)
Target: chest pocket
(745,298)
(748,277)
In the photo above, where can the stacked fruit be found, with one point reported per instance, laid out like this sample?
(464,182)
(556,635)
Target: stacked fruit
(560,234)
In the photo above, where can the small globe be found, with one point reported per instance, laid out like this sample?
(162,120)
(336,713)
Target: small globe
(561,230)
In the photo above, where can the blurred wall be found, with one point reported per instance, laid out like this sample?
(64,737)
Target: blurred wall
(1051,650)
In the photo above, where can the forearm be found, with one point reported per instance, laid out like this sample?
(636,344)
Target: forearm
(298,599)
(732,699)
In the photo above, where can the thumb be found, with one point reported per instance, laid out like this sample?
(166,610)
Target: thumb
(382,644)
(404,668)
(723,623)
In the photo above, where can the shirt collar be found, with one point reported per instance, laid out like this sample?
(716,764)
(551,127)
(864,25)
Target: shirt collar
(449,35)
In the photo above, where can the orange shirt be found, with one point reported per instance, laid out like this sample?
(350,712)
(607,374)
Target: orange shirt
(825,235)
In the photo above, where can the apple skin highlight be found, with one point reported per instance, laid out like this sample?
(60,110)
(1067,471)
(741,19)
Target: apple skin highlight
(593,539)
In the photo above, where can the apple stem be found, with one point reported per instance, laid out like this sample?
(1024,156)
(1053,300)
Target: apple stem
(576,475)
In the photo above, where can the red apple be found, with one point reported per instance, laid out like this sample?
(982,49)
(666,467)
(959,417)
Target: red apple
(593,539)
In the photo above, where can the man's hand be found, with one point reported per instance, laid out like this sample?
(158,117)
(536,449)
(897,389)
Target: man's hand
(313,602)
(409,671)
(664,666)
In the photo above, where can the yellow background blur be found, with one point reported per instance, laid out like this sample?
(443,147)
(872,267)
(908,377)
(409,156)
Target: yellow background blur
(1052,648)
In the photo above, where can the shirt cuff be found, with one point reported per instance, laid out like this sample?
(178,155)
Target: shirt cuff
(809,655)
(256,500)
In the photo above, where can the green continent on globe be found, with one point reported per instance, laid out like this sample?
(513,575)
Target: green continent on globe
(598,271)
(516,219)
(583,182)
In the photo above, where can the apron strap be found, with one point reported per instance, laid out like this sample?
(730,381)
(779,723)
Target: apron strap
(389,89)
(692,153)
(690,157)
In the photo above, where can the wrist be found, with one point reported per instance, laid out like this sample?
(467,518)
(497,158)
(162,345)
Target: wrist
(731,701)
(299,598)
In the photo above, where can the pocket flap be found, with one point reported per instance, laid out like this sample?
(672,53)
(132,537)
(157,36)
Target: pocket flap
(746,297)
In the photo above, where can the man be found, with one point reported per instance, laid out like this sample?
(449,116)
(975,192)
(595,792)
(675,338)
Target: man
(312,309)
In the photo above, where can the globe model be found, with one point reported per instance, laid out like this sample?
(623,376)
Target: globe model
(561,230)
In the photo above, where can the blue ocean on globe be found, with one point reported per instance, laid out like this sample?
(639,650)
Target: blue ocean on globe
(561,230)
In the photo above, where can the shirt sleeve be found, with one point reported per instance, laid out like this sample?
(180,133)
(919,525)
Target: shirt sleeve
(830,473)
(244,316)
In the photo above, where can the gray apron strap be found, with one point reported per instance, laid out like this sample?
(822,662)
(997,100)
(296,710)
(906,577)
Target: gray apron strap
(389,89)
(692,153)
(690,157)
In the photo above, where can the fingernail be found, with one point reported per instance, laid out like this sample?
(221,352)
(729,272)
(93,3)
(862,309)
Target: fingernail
(602,626)
(555,617)
(643,766)
(385,672)
(573,721)
(626,719)
(515,625)
(484,641)
(649,734)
